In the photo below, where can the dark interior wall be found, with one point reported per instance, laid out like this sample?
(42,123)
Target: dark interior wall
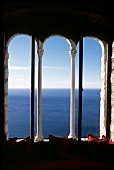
(71,20)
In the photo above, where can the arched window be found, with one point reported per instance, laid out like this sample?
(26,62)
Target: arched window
(91,87)
(56,87)
(90,69)
(19,84)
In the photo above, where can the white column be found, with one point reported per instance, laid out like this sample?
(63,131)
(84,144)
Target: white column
(72,96)
(39,136)
(103,93)
(112,97)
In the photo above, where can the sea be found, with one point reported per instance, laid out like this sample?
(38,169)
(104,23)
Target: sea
(55,112)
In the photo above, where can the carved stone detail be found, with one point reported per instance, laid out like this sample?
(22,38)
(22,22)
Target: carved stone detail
(72,53)
(40,52)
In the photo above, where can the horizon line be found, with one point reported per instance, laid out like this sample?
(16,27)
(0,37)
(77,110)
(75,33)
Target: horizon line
(54,88)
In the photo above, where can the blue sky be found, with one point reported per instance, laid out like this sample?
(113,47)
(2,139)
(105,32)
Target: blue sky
(55,61)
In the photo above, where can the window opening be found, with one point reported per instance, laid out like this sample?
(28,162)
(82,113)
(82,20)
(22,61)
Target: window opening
(56,84)
(19,86)
(89,120)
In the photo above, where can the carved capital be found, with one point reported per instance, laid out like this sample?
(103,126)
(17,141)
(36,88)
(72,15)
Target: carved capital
(40,52)
(72,53)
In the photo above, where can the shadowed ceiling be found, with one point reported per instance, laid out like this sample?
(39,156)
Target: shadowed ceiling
(69,19)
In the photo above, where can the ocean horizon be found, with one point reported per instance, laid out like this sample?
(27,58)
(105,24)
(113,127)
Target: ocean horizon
(55,112)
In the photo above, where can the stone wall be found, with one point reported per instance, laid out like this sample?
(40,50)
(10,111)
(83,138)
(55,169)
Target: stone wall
(112,96)
(103,89)
(6,93)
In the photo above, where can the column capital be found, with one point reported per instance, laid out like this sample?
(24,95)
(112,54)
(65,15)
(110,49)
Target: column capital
(73,53)
(40,52)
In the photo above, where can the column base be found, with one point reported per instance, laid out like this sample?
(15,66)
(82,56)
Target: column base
(38,138)
(72,136)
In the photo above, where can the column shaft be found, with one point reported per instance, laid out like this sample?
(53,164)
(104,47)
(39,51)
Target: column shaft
(39,136)
(103,93)
(72,96)
(112,97)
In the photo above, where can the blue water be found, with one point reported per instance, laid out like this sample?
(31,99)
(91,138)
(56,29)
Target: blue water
(55,112)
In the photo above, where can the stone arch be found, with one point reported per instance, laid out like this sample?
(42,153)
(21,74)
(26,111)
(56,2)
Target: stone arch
(13,36)
(70,42)
(72,106)
(103,93)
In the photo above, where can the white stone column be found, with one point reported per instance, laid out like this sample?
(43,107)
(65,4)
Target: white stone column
(103,93)
(112,97)
(6,56)
(72,95)
(39,136)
